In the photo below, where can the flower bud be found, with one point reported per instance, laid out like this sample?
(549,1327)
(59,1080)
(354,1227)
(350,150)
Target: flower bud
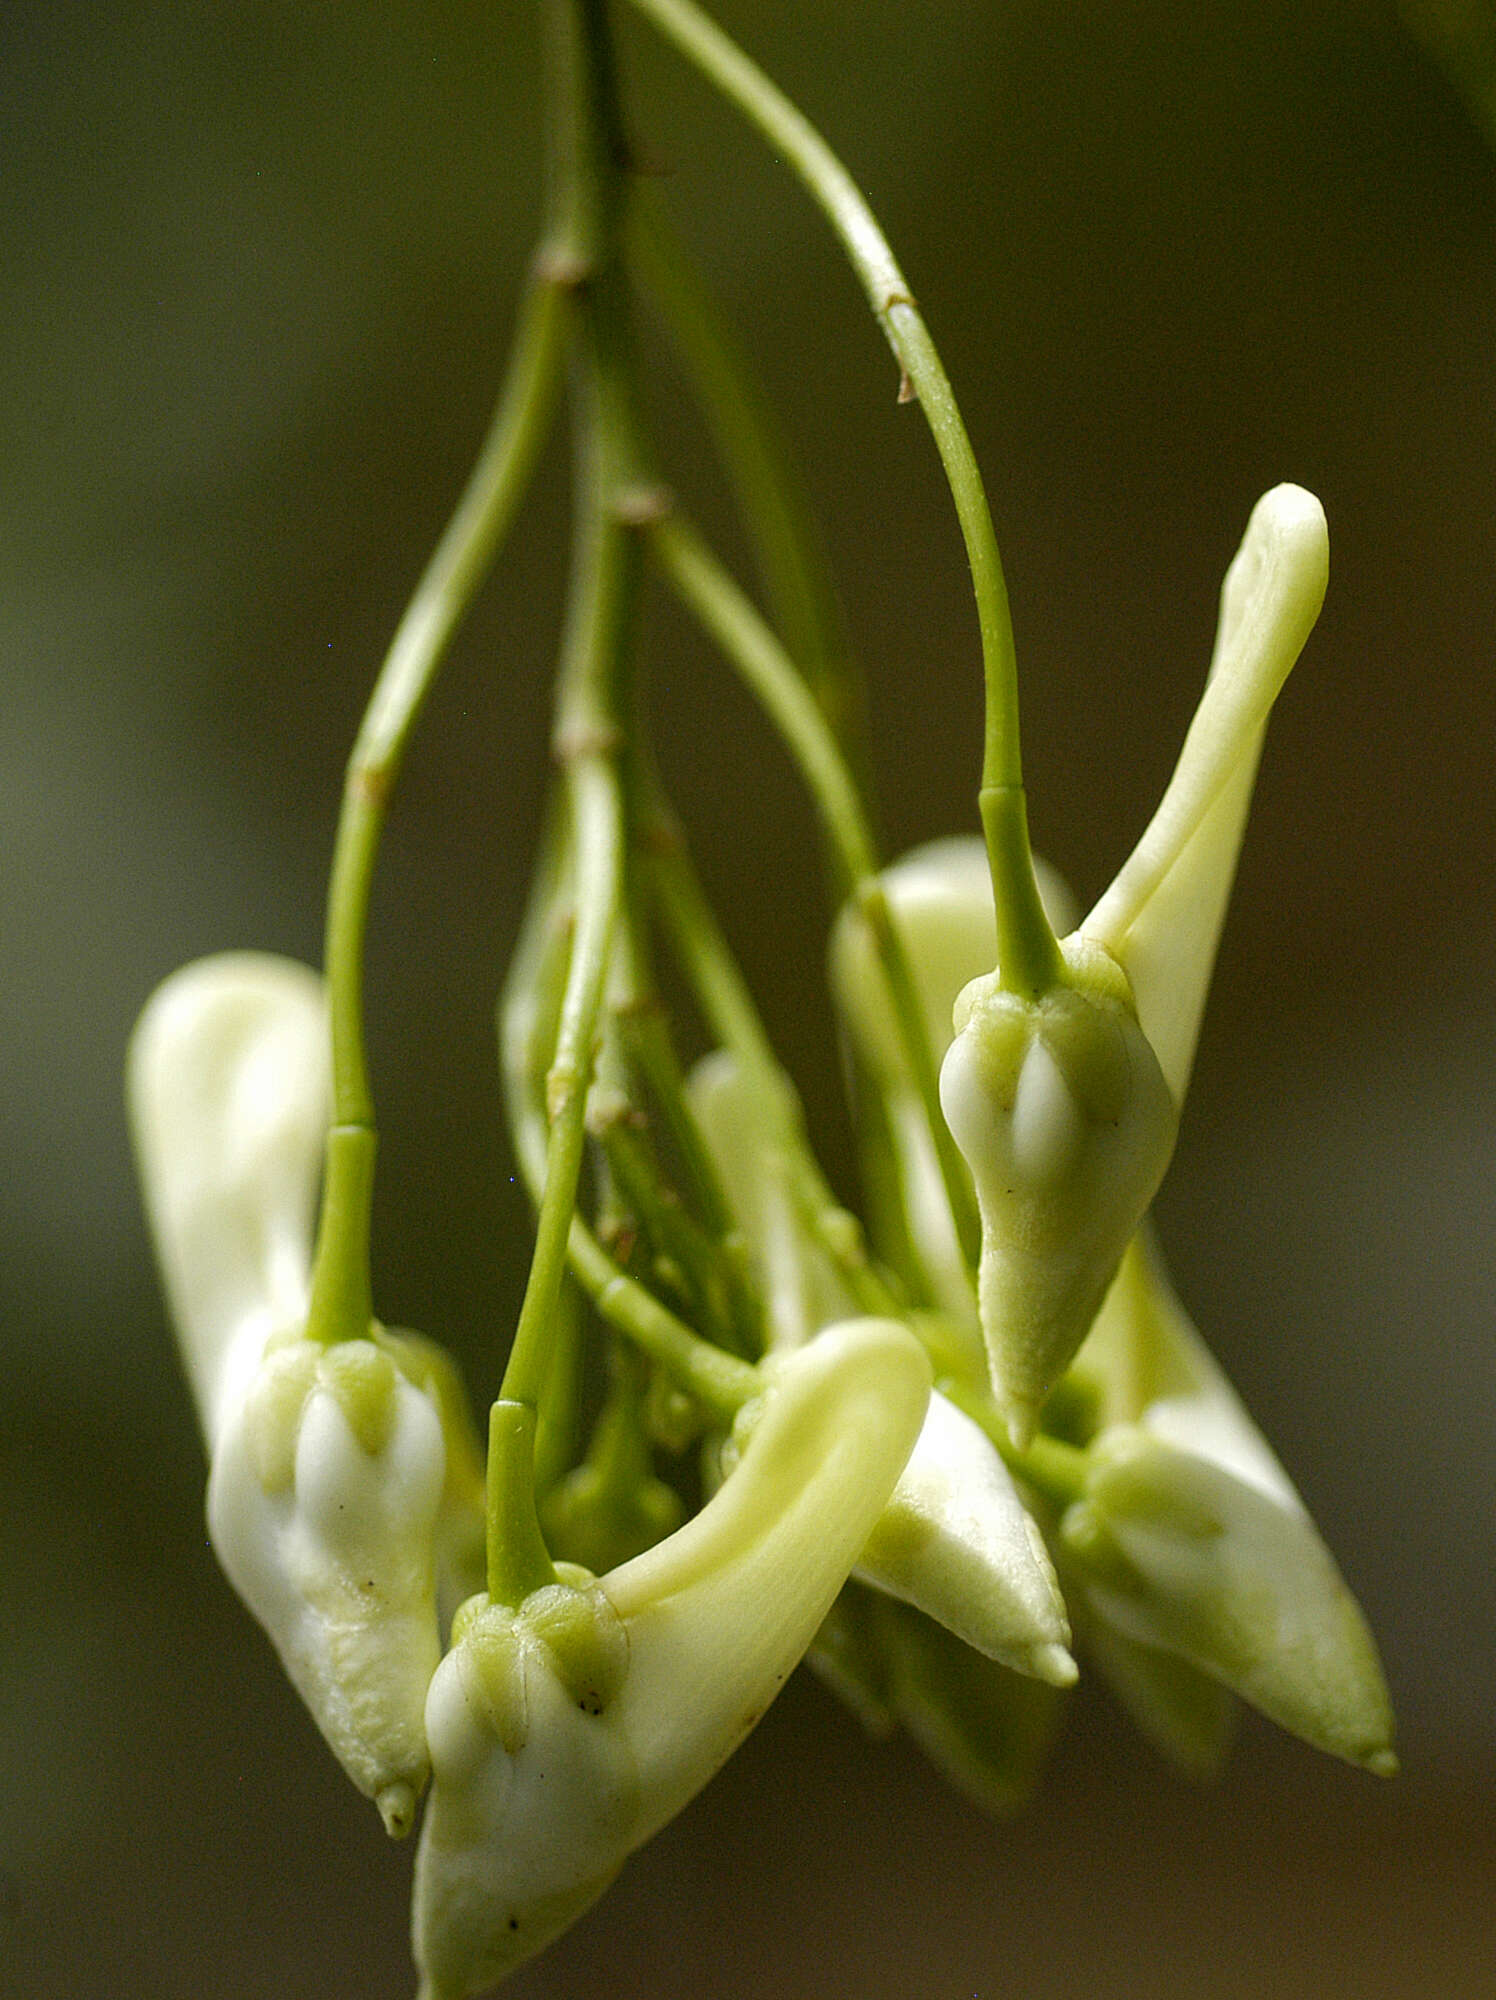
(561,1742)
(344,1481)
(1063,1116)
(956,1541)
(1180,1554)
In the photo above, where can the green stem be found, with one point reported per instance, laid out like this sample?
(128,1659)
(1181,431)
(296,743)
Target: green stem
(341,1303)
(722,993)
(771,497)
(528,1014)
(518,1560)
(720,1382)
(588,152)
(599,834)
(791,134)
(772,677)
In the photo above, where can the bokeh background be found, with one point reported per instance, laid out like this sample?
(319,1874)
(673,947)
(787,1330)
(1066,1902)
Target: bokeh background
(260,263)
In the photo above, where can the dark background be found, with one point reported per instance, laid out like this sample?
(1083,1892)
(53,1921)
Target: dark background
(259,264)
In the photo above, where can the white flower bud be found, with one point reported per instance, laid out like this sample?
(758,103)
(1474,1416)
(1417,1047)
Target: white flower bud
(956,1541)
(1179,1553)
(1064,1118)
(343,1479)
(564,1734)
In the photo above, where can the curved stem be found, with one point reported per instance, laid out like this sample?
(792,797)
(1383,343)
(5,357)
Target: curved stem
(760,467)
(588,151)
(722,993)
(776,683)
(790,133)
(771,676)
(341,1304)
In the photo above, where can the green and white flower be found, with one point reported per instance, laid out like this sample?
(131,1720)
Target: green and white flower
(567,1731)
(1064,1100)
(344,1483)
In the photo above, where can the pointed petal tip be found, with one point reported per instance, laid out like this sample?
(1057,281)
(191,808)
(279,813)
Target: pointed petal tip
(1022,1420)
(1382,1763)
(1055,1664)
(397,1808)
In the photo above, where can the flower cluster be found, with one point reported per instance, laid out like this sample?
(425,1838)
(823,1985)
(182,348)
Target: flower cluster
(941,1450)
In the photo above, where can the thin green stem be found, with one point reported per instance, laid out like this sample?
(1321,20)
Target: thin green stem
(773,679)
(761,470)
(341,1304)
(518,1560)
(791,134)
(723,995)
(720,1382)
(599,838)
(529,1011)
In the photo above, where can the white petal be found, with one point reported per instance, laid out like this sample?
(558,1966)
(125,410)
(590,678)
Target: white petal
(956,1541)
(228,1080)
(1161,917)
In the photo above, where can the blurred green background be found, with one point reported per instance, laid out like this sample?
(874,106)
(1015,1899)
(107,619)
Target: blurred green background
(259,266)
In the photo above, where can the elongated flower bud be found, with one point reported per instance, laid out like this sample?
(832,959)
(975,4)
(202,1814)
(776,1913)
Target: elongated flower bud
(1063,1116)
(1181,1554)
(956,1541)
(563,1734)
(343,1479)
(1064,1102)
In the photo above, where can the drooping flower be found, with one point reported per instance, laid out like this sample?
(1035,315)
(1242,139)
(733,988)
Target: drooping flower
(1190,1539)
(568,1730)
(1064,1100)
(344,1487)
